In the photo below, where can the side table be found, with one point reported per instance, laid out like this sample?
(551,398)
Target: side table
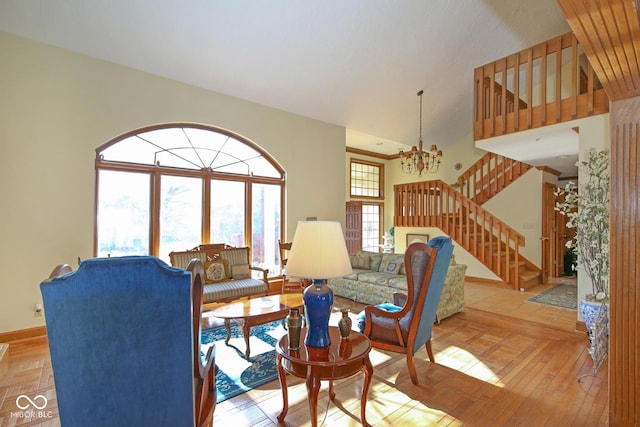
(342,359)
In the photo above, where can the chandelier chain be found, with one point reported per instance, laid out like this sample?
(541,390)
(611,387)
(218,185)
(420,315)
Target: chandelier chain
(420,95)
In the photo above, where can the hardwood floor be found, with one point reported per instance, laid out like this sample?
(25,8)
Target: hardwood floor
(492,370)
(514,304)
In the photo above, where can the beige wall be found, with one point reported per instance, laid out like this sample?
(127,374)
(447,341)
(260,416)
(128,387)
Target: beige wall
(519,206)
(57,107)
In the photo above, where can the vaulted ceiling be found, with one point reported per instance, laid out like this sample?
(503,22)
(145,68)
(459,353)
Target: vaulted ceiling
(356,63)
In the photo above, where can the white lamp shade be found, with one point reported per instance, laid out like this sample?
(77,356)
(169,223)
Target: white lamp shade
(318,251)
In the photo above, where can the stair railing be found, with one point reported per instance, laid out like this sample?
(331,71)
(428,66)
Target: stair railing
(437,204)
(489,175)
(529,89)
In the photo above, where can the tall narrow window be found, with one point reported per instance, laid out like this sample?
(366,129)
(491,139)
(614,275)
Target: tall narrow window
(367,182)
(172,187)
(265,219)
(227,212)
(123,213)
(180,213)
(371,225)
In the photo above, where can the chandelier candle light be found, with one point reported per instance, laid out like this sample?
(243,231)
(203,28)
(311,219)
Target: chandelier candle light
(417,160)
(318,252)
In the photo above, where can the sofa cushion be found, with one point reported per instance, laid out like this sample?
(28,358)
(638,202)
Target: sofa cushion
(182,259)
(235,256)
(379,278)
(240,271)
(392,258)
(398,282)
(215,271)
(374,259)
(391,267)
(355,272)
(387,306)
(232,289)
(362,262)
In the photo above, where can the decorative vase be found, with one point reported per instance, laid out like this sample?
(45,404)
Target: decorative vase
(344,324)
(589,310)
(294,323)
(318,300)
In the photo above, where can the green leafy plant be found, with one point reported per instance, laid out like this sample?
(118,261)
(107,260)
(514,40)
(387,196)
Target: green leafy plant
(586,207)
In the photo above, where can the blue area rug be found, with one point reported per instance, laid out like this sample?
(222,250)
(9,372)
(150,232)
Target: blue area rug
(562,295)
(235,374)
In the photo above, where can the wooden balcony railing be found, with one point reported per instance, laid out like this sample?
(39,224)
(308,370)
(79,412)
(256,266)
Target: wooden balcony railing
(437,204)
(489,175)
(552,82)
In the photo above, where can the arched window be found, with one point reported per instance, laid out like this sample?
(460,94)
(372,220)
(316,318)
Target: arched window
(171,187)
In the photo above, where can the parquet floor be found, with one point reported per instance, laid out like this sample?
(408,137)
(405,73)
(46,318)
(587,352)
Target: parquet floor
(493,369)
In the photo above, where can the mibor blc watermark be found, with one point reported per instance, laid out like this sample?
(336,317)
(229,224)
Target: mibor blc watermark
(31,408)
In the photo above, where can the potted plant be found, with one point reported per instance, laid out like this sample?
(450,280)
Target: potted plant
(587,209)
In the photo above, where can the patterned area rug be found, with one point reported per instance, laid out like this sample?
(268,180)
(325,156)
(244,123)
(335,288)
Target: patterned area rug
(235,374)
(562,295)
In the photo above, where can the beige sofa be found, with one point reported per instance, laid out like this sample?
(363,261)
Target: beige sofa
(376,277)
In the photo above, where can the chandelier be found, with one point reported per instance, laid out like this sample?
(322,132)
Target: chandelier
(417,160)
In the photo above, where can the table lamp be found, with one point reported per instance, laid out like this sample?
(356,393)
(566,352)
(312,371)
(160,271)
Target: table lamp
(318,252)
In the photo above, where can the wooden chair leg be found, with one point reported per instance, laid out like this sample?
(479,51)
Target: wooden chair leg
(430,351)
(412,368)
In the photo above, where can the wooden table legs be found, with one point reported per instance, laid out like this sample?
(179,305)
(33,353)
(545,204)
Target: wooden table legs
(282,376)
(313,387)
(368,375)
(313,382)
(246,330)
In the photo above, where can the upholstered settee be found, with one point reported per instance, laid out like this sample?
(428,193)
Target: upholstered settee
(228,274)
(376,277)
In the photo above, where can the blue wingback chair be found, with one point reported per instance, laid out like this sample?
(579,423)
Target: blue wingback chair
(406,325)
(124,338)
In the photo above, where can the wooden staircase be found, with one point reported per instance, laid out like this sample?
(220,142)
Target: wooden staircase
(548,83)
(494,243)
(491,174)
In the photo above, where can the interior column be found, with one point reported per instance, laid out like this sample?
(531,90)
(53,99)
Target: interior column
(624,354)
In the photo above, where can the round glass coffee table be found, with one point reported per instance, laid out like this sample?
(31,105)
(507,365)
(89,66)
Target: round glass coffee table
(342,359)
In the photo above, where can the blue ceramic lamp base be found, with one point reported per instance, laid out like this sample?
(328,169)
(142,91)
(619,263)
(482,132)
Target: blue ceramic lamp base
(318,301)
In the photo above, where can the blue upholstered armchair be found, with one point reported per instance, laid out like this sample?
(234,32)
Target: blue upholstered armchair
(406,325)
(124,338)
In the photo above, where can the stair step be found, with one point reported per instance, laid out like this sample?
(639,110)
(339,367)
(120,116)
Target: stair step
(529,279)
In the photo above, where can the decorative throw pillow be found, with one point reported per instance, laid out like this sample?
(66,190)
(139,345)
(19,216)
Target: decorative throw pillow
(391,266)
(361,262)
(386,258)
(215,271)
(374,259)
(240,271)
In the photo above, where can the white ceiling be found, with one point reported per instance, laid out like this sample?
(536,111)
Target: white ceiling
(354,63)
